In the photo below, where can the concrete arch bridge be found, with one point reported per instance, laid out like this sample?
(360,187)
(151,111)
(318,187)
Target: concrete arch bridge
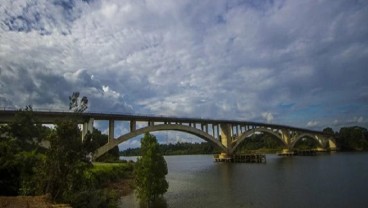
(225,134)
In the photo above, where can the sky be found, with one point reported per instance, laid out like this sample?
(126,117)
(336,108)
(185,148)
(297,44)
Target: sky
(292,62)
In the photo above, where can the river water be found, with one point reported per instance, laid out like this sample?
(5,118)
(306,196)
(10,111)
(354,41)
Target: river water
(326,180)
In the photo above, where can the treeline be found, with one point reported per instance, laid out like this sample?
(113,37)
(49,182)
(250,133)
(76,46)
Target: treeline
(260,143)
(347,139)
(181,148)
(353,138)
(37,160)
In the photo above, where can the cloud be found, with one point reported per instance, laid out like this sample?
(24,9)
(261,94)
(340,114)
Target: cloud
(267,116)
(312,124)
(304,61)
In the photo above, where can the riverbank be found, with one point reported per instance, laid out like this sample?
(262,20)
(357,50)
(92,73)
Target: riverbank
(115,176)
(109,182)
(29,202)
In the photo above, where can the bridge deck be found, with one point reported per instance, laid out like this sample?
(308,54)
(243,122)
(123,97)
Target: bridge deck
(7,116)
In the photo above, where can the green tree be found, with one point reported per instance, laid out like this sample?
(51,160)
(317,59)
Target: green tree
(62,173)
(352,138)
(328,131)
(150,171)
(19,151)
(9,167)
(98,139)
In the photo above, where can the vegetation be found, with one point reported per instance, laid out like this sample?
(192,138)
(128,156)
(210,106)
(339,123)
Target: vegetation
(62,171)
(19,151)
(150,171)
(183,148)
(99,140)
(260,143)
(347,139)
(352,139)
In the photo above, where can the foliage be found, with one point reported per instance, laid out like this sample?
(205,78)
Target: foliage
(61,174)
(9,167)
(78,106)
(100,140)
(150,171)
(95,198)
(328,131)
(104,173)
(19,151)
(306,144)
(62,171)
(98,177)
(260,142)
(352,138)
(181,148)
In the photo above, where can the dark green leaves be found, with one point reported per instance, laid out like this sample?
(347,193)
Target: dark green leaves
(150,171)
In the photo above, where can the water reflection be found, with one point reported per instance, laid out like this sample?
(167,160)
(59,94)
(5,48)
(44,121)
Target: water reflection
(225,171)
(335,180)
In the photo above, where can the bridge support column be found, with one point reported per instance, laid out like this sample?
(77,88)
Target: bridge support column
(87,127)
(133,125)
(332,145)
(226,139)
(111,130)
(285,135)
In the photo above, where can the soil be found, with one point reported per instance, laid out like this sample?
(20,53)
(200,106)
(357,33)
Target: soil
(122,187)
(29,202)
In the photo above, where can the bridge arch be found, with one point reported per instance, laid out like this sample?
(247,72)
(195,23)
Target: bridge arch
(307,135)
(250,132)
(161,127)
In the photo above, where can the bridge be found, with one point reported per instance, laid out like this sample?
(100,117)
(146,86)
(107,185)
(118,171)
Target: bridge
(225,134)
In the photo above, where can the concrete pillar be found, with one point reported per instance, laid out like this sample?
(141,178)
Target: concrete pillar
(213,131)
(332,145)
(133,125)
(285,135)
(226,136)
(111,130)
(87,127)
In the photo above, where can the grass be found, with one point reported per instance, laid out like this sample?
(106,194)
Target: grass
(104,173)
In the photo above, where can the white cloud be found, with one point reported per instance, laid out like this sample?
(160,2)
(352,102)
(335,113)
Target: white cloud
(357,119)
(267,116)
(186,58)
(312,124)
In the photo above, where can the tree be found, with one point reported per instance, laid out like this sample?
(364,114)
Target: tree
(76,105)
(61,174)
(19,151)
(150,171)
(328,131)
(352,138)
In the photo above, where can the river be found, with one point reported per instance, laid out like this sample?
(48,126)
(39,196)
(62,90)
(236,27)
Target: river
(326,180)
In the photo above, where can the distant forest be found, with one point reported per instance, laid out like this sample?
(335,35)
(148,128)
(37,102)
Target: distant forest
(347,139)
(178,149)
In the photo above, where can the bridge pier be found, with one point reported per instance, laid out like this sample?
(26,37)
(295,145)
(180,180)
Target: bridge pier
(111,130)
(226,140)
(87,127)
(331,145)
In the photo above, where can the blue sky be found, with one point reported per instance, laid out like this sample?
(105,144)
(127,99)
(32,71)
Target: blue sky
(299,63)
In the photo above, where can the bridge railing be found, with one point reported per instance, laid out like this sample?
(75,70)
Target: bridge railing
(6,108)
(201,119)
